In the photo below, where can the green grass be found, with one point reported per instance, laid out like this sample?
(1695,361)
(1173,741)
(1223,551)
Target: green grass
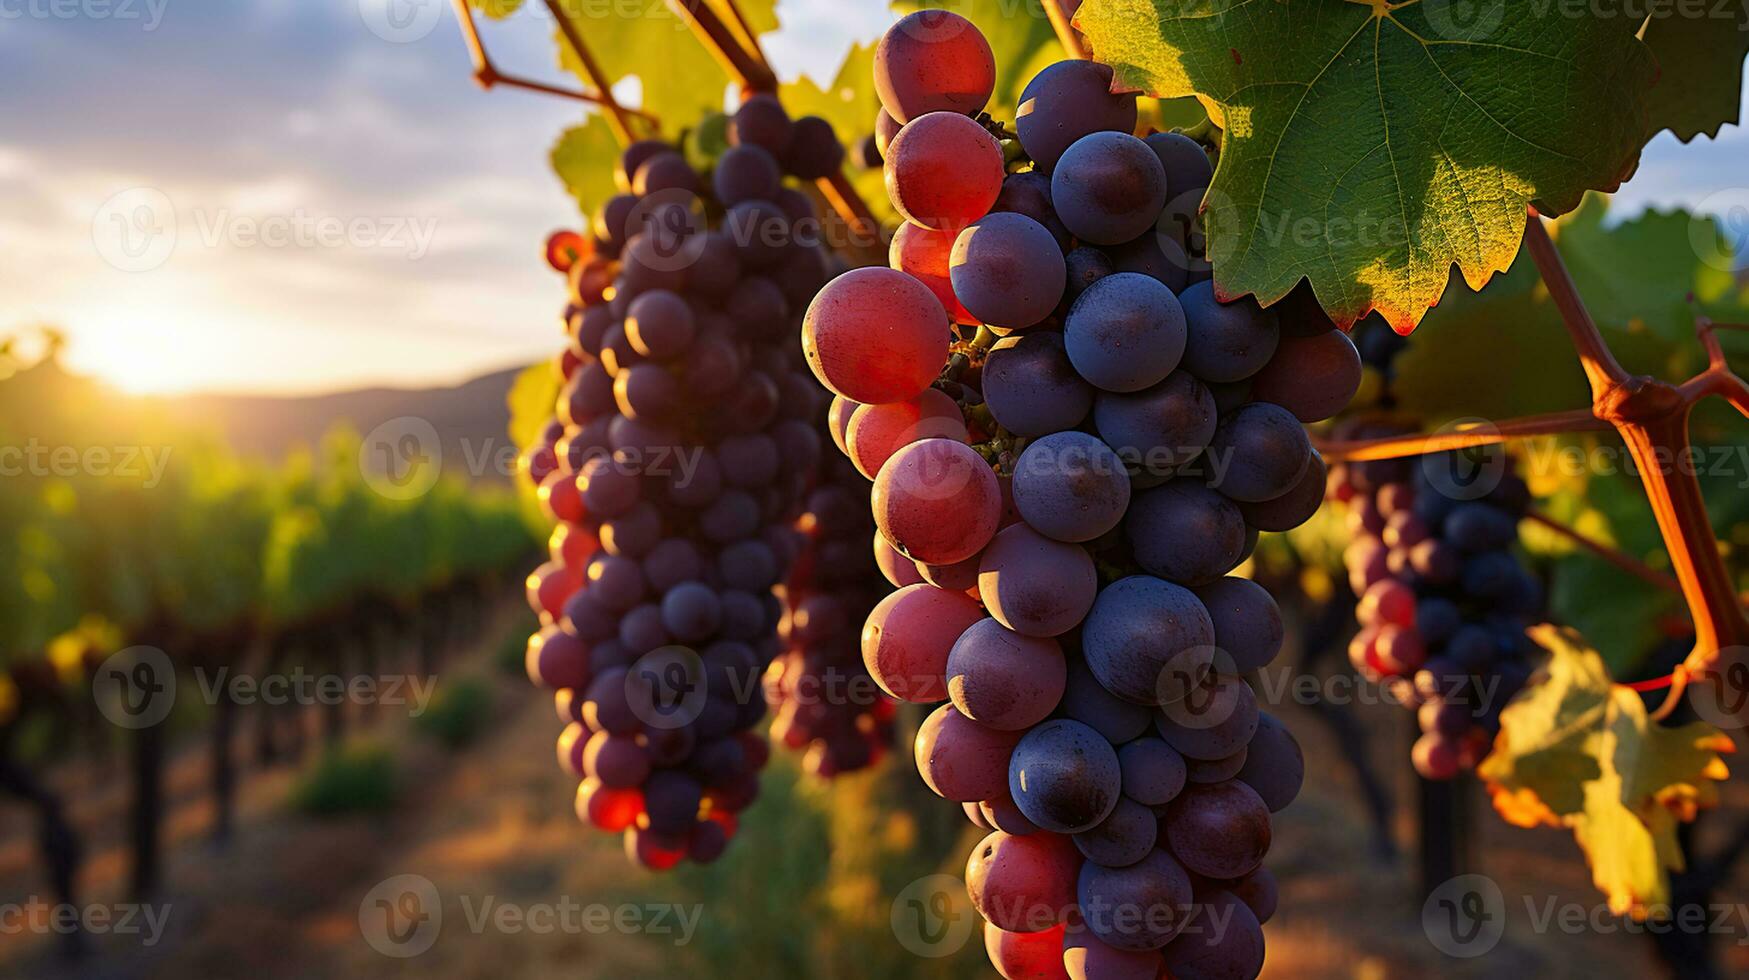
(358,777)
(458,713)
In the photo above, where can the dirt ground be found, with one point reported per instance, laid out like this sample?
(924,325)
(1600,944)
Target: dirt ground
(491,827)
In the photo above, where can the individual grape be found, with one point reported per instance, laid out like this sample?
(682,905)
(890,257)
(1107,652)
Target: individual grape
(908,637)
(925,255)
(692,612)
(607,809)
(616,761)
(1228,341)
(1064,776)
(1031,388)
(667,171)
(749,564)
(1085,957)
(1003,680)
(1158,254)
(548,588)
(814,150)
(1259,452)
(1087,701)
(1215,770)
(1219,830)
(761,121)
(1313,377)
(1153,771)
(1023,884)
(933,61)
(1186,533)
(1158,429)
(1126,333)
(961,576)
(838,421)
(647,392)
(943,171)
(961,760)
(1007,271)
(1389,602)
(617,583)
(1108,188)
(1215,722)
(761,233)
(1025,955)
(641,629)
(1137,908)
(1258,891)
(876,432)
(1186,164)
(556,659)
(1274,765)
(1137,632)
(1478,526)
(1123,838)
(1294,508)
(937,501)
(1085,266)
(1248,626)
(1222,941)
(1034,585)
(671,801)
(1071,487)
(1066,101)
(746,173)
(875,336)
(560,497)
(886,127)
(898,570)
(633,158)
(1029,193)
(1001,814)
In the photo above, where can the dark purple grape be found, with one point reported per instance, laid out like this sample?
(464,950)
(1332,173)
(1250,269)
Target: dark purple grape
(1065,102)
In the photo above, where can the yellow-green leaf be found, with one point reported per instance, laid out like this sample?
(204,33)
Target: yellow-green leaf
(1369,147)
(531,399)
(1581,752)
(584,158)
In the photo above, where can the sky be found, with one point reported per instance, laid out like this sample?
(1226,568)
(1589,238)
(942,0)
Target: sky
(292,196)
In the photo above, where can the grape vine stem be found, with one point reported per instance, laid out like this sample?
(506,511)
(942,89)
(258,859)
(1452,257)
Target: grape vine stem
(488,75)
(619,118)
(1615,556)
(1062,15)
(1652,417)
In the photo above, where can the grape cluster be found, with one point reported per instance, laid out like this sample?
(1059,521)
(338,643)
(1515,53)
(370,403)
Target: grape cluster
(1444,600)
(683,444)
(1074,443)
(826,702)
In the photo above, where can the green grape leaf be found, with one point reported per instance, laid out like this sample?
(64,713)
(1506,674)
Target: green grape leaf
(531,399)
(1700,61)
(496,9)
(1020,36)
(849,103)
(584,158)
(1369,146)
(678,79)
(1579,752)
